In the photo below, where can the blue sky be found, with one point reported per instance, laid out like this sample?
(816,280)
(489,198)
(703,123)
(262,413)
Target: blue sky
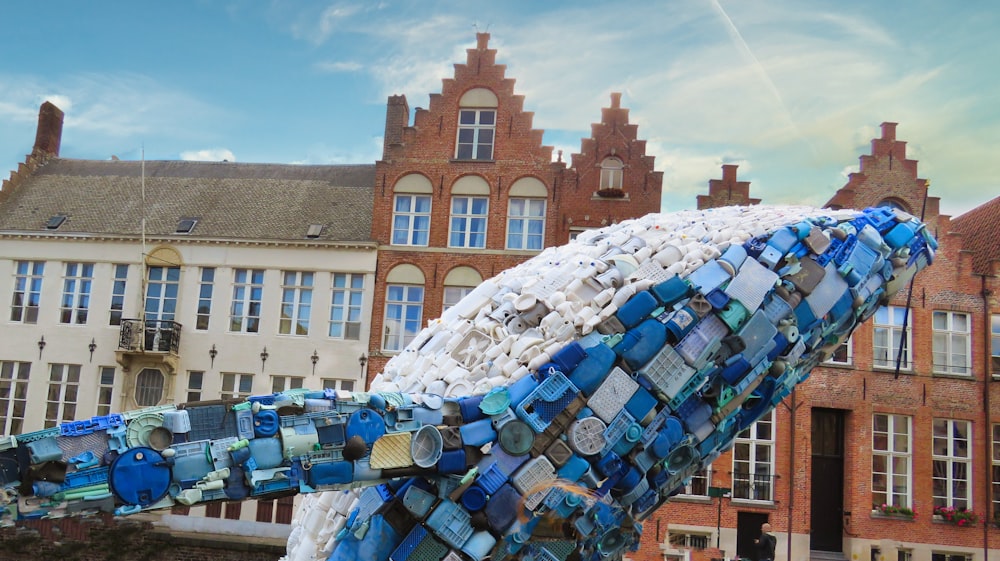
(791,90)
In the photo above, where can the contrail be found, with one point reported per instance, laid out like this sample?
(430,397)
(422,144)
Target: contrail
(743,46)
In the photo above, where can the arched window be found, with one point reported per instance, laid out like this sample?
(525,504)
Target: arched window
(458,283)
(404,307)
(612,174)
(477,119)
(148,387)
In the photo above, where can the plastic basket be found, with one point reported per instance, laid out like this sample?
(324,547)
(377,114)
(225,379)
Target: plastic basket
(546,401)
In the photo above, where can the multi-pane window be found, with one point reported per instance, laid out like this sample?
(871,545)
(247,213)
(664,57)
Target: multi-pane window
(60,404)
(843,354)
(27,291)
(526,224)
(452,295)
(888,336)
(196,379)
(404,308)
(611,174)
(891,460)
(13,395)
(161,293)
(946,556)
(76,293)
(205,298)
(296,302)
(149,387)
(105,390)
(248,289)
(952,343)
(282,383)
(698,484)
(411,220)
(468,222)
(753,461)
(118,294)
(338,384)
(236,386)
(952,458)
(345,307)
(475,134)
(995,343)
(683,540)
(995,469)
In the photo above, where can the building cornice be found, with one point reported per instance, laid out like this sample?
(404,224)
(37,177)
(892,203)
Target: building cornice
(186,240)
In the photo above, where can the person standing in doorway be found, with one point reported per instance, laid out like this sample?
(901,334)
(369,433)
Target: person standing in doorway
(766,543)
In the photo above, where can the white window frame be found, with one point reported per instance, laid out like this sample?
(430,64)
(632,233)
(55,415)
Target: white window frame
(411,225)
(952,454)
(397,310)
(203,314)
(995,344)
(75,304)
(282,383)
(346,301)
(27,297)
(339,384)
(453,295)
(467,228)
(701,479)
(248,293)
(64,390)
(887,333)
(612,174)
(296,302)
(845,349)
(196,382)
(476,133)
(950,556)
(14,378)
(118,286)
(995,472)
(105,389)
(952,345)
(236,385)
(897,455)
(753,461)
(522,215)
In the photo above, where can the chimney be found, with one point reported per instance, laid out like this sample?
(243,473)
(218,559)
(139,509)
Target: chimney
(729,173)
(616,100)
(48,137)
(397,117)
(888,131)
(482,41)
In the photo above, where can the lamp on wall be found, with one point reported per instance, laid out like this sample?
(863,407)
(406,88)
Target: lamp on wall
(263,358)
(314,358)
(362,360)
(93,347)
(41,347)
(212,353)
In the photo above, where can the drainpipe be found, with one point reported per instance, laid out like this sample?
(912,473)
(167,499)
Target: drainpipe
(791,481)
(988,429)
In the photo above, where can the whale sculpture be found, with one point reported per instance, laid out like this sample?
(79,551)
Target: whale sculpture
(545,415)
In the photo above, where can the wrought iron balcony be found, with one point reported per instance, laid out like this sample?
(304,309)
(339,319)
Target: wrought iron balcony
(152,341)
(754,486)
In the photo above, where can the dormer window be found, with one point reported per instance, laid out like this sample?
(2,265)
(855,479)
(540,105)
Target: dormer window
(477,119)
(186,225)
(55,222)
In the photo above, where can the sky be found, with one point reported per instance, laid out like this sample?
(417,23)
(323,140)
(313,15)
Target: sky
(792,91)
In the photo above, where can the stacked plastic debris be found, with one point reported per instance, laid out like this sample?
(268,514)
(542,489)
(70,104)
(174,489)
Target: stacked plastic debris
(549,412)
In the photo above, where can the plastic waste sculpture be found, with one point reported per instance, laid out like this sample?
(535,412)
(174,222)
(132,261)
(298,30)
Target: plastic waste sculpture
(545,415)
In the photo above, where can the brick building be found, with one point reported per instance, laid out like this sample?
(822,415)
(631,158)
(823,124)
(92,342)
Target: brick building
(468,190)
(860,433)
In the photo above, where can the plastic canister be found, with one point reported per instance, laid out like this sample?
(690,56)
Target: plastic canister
(469,407)
(365,423)
(479,545)
(474,498)
(265,423)
(502,508)
(478,433)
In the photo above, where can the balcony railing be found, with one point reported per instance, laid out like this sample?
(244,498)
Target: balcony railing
(154,336)
(754,487)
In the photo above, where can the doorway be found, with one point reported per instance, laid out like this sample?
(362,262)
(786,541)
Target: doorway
(826,518)
(747,530)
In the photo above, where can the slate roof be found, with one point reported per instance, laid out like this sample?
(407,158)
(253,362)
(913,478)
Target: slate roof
(230,200)
(979,229)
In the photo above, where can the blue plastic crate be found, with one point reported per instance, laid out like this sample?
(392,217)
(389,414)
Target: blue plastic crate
(451,523)
(545,402)
(491,478)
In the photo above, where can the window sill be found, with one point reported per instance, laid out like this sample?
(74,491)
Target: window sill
(754,503)
(953,376)
(903,517)
(699,499)
(598,197)
(458,161)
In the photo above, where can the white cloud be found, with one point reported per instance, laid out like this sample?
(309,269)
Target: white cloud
(209,155)
(339,66)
